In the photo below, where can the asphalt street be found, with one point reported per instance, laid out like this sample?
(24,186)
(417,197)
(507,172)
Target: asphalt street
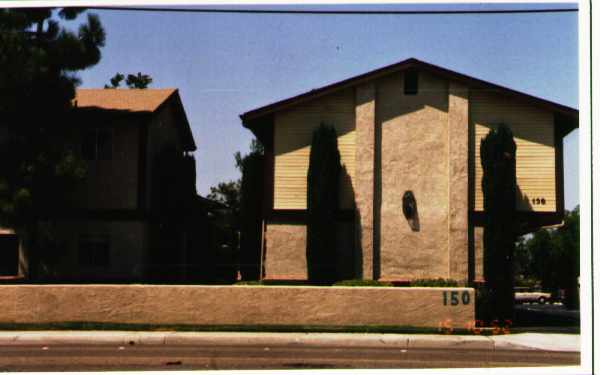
(546,315)
(138,357)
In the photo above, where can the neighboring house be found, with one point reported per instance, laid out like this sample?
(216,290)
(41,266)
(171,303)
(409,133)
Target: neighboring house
(122,221)
(411,126)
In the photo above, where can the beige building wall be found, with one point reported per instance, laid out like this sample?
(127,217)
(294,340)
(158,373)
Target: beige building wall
(286,251)
(293,135)
(391,143)
(127,244)
(113,184)
(162,131)
(533,130)
(414,145)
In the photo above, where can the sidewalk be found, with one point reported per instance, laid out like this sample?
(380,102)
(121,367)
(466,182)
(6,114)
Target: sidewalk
(517,341)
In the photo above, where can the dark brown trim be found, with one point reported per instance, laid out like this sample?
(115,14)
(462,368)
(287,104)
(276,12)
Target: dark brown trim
(248,117)
(269,167)
(299,216)
(142,165)
(559,167)
(187,138)
(103,215)
(528,221)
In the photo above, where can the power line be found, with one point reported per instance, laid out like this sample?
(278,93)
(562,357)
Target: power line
(340,12)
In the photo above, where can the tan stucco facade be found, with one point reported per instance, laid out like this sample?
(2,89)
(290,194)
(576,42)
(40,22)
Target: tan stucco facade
(415,143)
(426,143)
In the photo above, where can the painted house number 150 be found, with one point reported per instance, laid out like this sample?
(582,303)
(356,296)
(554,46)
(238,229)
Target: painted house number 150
(454,298)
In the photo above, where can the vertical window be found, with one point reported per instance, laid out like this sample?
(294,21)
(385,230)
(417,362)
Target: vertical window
(411,82)
(97,144)
(9,255)
(94,251)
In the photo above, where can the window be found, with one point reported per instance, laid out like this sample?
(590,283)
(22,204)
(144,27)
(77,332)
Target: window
(9,255)
(411,82)
(97,144)
(94,251)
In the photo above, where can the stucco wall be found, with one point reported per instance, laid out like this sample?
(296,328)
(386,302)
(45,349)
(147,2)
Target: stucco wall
(222,305)
(365,174)
(286,251)
(414,156)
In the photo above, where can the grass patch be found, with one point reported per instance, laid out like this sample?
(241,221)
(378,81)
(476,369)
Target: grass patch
(434,283)
(358,282)
(96,326)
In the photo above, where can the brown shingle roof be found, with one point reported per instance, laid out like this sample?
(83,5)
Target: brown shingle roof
(135,100)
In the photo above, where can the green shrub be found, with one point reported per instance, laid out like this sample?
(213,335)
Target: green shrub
(362,283)
(434,282)
(251,282)
(482,305)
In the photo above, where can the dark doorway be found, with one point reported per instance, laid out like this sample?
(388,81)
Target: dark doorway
(9,255)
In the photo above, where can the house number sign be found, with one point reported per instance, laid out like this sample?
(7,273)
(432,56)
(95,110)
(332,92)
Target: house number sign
(538,201)
(454,297)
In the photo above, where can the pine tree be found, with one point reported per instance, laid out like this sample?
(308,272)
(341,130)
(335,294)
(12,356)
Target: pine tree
(38,61)
(322,204)
(498,151)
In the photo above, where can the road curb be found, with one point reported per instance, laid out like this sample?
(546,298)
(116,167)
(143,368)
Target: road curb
(520,341)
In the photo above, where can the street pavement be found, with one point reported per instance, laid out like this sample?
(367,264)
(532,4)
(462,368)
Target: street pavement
(114,350)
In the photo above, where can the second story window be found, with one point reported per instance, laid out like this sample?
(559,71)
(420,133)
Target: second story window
(97,144)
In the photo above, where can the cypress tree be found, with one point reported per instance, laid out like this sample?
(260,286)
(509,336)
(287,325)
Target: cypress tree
(39,59)
(250,216)
(498,151)
(322,203)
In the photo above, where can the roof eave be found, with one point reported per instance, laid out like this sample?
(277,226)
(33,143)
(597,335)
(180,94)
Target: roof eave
(257,113)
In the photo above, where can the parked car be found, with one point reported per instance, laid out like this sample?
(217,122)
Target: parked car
(531,295)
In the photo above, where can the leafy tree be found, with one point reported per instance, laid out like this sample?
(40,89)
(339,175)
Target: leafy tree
(139,81)
(322,203)
(38,62)
(554,258)
(567,243)
(243,196)
(227,193)
(115,81)
(498,151)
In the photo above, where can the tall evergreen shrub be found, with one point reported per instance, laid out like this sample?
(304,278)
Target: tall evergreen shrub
(498,151)
(322,203)
(251,216)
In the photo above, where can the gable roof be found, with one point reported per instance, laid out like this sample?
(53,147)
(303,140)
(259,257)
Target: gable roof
(250,118)
(135,101)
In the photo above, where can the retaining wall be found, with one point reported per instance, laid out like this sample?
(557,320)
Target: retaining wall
(238,305)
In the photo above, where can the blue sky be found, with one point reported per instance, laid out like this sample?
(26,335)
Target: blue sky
(227,64)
